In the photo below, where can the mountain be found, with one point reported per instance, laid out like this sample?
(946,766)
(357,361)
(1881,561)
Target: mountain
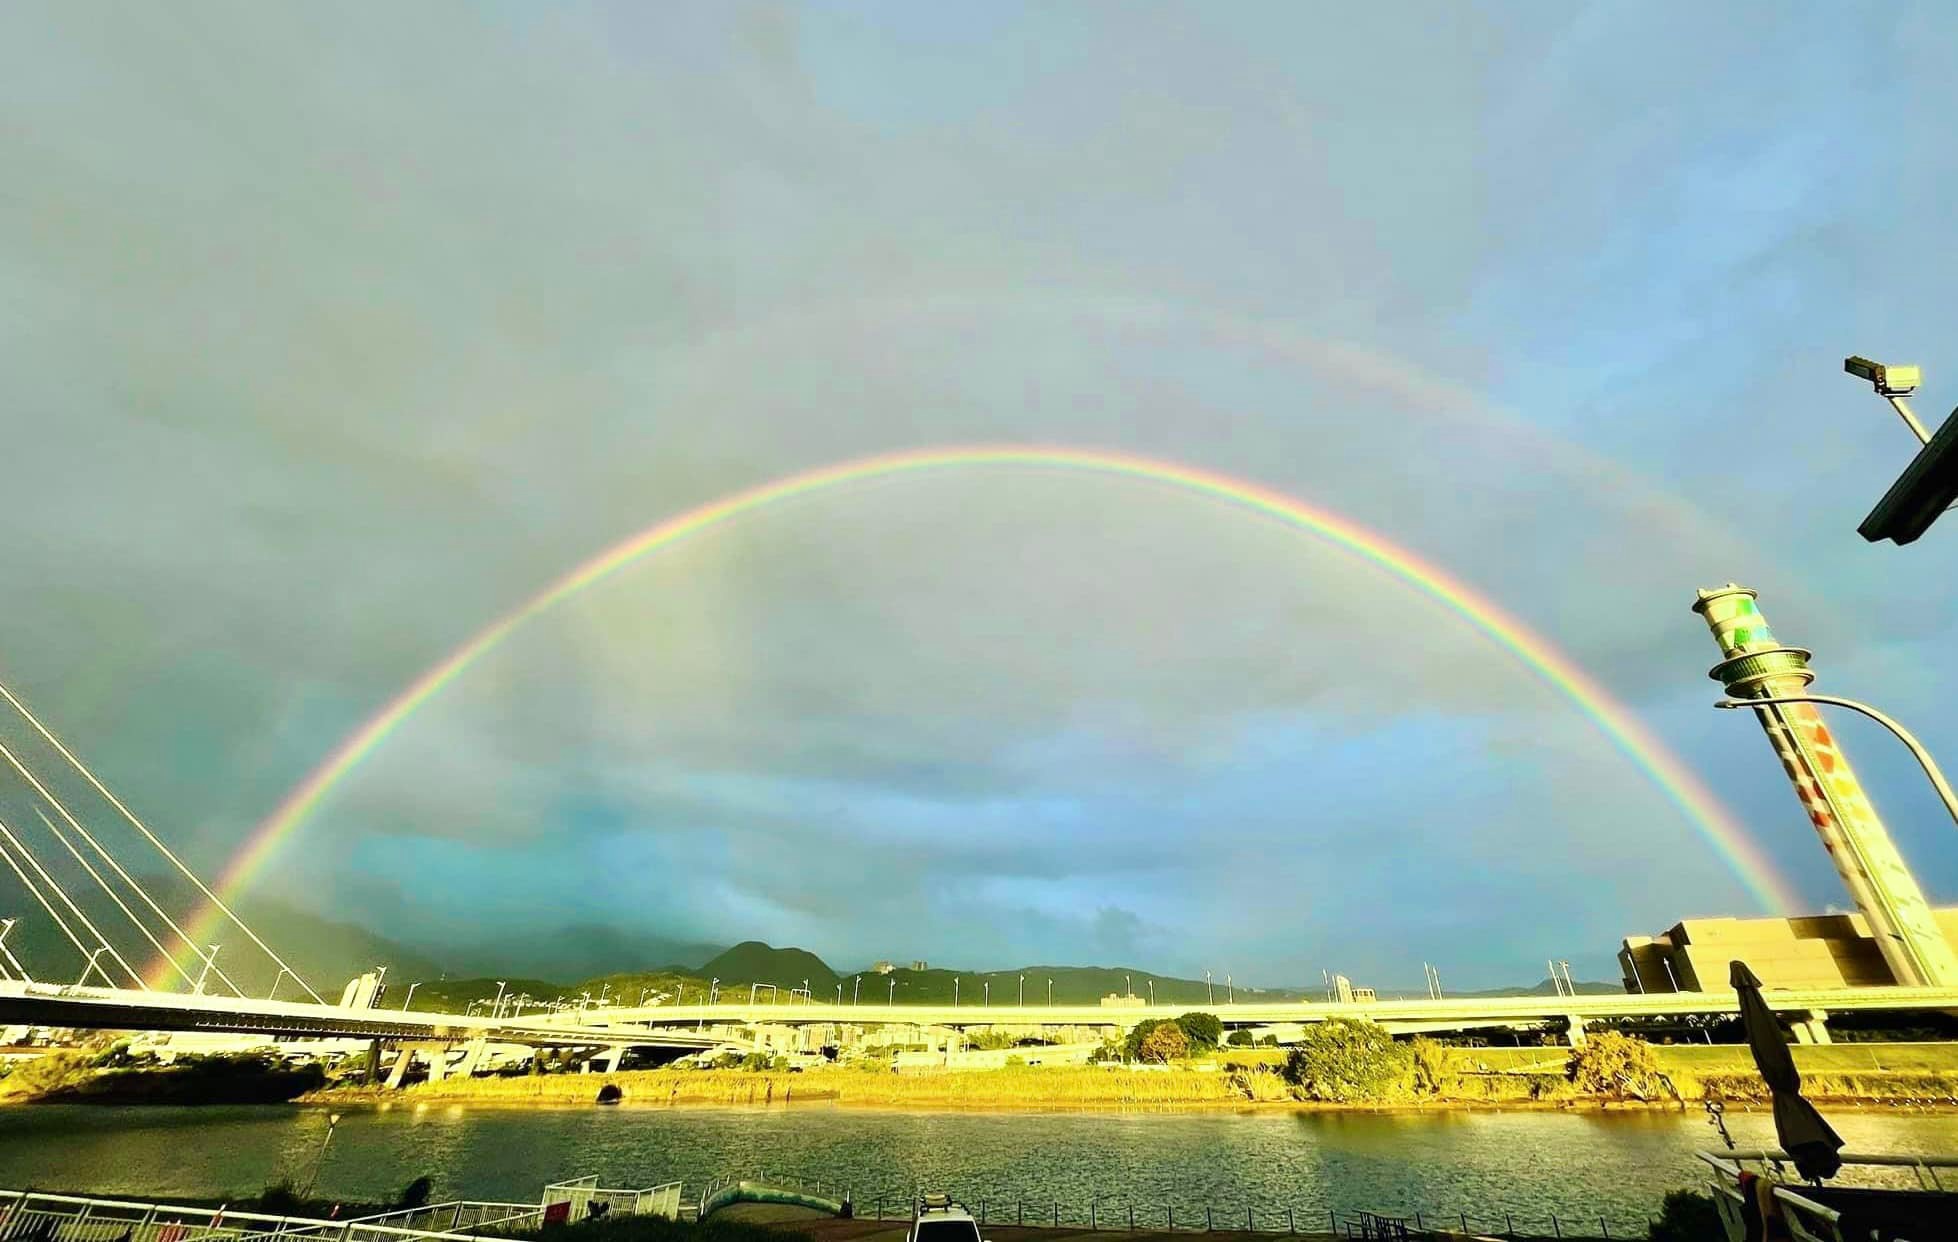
(572,952)
(751,961)
(324,952)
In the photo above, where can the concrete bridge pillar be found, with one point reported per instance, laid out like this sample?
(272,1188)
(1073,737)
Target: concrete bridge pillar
(472,1057)
(612,1057)
(1813,1029)
(402,1060)
(1574,1030)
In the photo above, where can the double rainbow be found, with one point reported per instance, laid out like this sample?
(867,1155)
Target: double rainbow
(1534,652)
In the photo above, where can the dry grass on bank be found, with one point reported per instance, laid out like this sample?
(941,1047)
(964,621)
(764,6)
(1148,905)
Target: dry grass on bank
(1881,1073)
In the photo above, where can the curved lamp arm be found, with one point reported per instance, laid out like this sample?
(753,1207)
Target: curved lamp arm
(1923,756)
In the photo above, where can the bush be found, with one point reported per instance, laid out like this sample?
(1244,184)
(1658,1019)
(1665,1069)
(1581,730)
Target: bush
(1164,1044)
(416,1193)
(1268,1041)
(1609,1063)
(1203,1030)
(1687,1216)
(1341,1059)
(1430,1064)
(1239,1039)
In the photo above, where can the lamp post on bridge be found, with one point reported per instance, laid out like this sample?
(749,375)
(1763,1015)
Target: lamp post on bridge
(986,996)
(408,1001)
(86,970)
(497,1012)
(839,994)
(1022,1001)
(1152,994)
(1209,993)
(892,999)
(7,925)
(714,990)
(283,972)
(210,955)
(1050,994)
(1230,991)
(955,991)
(856,986)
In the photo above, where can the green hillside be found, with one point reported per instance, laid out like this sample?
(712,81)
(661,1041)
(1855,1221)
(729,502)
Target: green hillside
(751,961)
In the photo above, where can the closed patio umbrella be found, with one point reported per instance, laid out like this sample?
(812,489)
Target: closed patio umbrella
(1802,1132)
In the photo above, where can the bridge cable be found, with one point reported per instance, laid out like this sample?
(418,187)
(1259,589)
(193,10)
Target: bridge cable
(52,912)
(68,901)
(216,902)
(131,914)
(109,858)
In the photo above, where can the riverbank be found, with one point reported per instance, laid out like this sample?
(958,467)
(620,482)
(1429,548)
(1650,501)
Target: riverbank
(78,1077)
(1919,1075)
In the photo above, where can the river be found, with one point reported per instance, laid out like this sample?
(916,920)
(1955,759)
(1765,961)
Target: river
(1577,1165)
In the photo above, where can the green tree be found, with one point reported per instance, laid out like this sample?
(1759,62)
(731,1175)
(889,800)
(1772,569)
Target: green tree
(1132,1042)
(1240,1038)
(1342,1059)
(1203,1030)
(1164,1044)
(1609,1063)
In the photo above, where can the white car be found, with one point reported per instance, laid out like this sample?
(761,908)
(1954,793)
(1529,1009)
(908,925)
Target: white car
(938,1219)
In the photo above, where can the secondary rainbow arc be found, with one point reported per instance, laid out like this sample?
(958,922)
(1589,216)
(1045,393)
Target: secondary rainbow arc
(1536,653)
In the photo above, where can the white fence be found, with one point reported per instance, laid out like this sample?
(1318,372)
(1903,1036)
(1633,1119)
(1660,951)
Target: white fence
(30,1217)
(584,1198)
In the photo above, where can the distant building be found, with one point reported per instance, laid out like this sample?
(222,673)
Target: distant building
(1814,951)
(1344,993)
(919,966)
(1115,1000)
(882,968)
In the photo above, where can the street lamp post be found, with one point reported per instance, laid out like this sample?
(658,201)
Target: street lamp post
(856,988)
(210,955)
(1230,991)
(955,991)
(408,1001)
(332,1121)
(7,925)
(1923,756)
(986,997)
(1050,994)
(892,999)
(88,969)
(497,1012)
(714,989)
(839,994)
(1152,994)
(1209,993)
(276,979)
(1022,1001)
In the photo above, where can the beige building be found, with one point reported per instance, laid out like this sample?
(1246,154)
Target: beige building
(1816,951)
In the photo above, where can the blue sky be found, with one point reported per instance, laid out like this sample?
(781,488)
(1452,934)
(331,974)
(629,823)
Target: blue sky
(330,337)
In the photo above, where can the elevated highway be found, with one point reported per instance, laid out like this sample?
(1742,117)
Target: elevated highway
(1402,1016)
(125,1009)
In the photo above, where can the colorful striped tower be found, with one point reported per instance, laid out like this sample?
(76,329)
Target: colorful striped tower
(1757,666)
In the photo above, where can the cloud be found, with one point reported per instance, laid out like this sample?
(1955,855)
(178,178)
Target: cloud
(327,343)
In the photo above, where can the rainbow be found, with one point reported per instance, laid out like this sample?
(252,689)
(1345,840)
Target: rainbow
(1534,652)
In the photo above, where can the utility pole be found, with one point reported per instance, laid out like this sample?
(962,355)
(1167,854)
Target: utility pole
(1209,993)
(1050,994)
(856,986)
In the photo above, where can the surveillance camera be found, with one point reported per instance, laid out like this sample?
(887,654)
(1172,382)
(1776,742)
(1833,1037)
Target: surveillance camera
(1890,381)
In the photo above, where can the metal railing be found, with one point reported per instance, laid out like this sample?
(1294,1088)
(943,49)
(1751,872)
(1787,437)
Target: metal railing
(458,1216)
(585,1198)
(33,1217)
